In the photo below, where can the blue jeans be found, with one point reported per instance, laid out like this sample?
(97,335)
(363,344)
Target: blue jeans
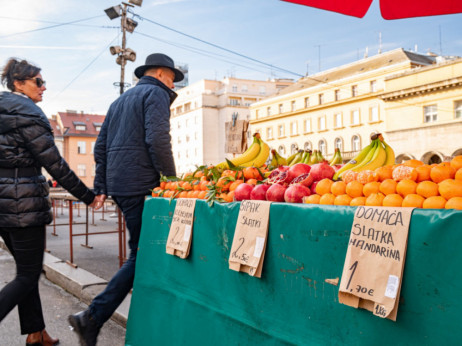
(105,303)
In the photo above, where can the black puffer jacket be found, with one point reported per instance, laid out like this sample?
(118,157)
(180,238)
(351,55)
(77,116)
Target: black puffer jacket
(134,146)
(26,140)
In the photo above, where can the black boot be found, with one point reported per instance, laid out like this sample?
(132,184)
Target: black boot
(86,327)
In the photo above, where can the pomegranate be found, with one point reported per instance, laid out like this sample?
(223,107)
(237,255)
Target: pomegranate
(321,171)
(280,177)
(313,187)
(304,179)
(338,166)
(243,191)
(298,169)
(275,193)
(258,192)
(295,193)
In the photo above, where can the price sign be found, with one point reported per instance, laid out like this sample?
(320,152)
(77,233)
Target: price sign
(374,263)
(249,242)
(180,235)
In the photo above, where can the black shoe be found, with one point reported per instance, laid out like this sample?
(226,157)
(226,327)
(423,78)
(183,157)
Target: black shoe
(86,327)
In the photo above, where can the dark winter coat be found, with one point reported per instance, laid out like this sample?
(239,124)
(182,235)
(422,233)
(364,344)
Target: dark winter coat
(26,140)
(133,146)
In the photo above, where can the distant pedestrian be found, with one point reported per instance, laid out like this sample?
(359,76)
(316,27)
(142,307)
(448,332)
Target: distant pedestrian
(132,150)
(27,145)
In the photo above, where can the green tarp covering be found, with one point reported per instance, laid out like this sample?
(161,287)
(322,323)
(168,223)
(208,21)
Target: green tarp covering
(199,301)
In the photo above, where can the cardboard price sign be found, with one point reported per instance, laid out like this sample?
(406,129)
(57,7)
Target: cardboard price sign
(236,142)
(180,235)
(374,263)
(249,242)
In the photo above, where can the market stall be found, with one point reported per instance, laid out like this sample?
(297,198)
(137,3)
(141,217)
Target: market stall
(199,300)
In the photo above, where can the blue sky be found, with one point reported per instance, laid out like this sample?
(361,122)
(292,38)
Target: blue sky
(80,71)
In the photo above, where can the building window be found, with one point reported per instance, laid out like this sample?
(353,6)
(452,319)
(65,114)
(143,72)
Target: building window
(354,90)
(244,88)
(256,114)
(81,170)
(337,95)
(262,90)
(281,130)
(321,98)
(81,147)
(338,144)
(187,138)
(268,111)
(373,86)
(187,107)
(293,148)
(178,125)
(234,88)
(93,147)
(269,133)
(322,147)
(374,114)
(282,150)
(307,125)
(430,113)
(308,146)
(355,143)
(179,155)
(97,128)
(355,117)
(179,140)
(458,109)
(80,127)
(307,102)
(293,128)
(93,170)
(280,108)
(338,120)
(292,106)
(178,110)
(234,102)
(322,123)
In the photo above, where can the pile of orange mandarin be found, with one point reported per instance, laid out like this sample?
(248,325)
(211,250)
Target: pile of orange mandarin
(410,184)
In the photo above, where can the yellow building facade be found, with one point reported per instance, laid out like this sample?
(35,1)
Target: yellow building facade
(339,108)
(423,110)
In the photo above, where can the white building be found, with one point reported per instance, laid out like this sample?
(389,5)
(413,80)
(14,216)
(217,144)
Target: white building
(201,110)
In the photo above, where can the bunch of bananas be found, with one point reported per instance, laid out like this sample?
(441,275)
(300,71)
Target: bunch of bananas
(255,156)
(375,155)
(277,160)
(337,158)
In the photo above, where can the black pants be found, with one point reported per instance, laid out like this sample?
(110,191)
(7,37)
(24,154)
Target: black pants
(27,246)
(105,303)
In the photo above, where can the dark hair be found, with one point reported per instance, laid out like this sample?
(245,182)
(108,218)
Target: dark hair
(17,70)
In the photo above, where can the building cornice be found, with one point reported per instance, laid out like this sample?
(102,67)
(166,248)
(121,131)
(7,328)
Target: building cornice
(325,106)
(423,89)
(445,125)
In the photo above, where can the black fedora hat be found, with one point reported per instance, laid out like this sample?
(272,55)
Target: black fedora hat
(159,60)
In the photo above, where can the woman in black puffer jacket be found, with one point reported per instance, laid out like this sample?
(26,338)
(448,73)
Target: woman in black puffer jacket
(27,145)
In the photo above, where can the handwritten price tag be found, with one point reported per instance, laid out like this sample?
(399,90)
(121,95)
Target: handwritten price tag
(249,242)
(179,237)
(374,262)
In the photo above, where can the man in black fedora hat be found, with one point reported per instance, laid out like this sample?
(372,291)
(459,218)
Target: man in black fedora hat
(132,150)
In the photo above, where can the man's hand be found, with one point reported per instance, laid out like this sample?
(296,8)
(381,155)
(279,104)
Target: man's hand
(98,202)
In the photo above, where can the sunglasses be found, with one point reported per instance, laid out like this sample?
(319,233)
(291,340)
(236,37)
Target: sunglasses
(38,81)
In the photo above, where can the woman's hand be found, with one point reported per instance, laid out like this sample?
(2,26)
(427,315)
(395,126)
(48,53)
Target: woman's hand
(98,202)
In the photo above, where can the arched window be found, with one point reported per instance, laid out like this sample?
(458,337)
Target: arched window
(338,143)
(355,143)
(322,147)
(293,148)
(282,150)
(308,146)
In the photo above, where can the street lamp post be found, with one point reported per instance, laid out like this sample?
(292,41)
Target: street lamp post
(126,24)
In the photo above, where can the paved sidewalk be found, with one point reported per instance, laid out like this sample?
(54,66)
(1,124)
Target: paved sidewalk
(95,266)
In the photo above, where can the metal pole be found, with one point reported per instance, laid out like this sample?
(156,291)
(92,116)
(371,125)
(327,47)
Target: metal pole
(122,62)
